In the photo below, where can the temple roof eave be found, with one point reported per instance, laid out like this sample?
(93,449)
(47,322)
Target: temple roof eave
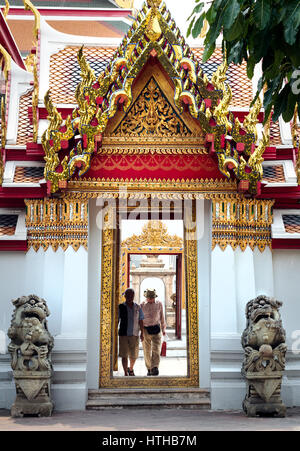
(207,102)
(8,42)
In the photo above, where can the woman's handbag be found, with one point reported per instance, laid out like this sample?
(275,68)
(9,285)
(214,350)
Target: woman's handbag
(164,347)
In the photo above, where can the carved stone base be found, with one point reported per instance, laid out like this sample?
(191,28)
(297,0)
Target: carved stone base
(263,395)
(40,408)
(253,409)
(33,394)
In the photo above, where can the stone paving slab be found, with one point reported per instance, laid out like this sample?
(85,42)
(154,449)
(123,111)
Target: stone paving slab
(151,420)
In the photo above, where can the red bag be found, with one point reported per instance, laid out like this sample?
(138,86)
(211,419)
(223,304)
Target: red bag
(163,349)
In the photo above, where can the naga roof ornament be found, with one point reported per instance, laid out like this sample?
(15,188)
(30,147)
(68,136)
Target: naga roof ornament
(153,34)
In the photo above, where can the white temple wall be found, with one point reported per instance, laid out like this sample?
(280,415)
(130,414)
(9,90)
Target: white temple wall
(61,279)
(286,283)
(69,387)
(94,292)
(223,292)
(286,264)
(247,275)
(237,277)
(263,270)
(19,272)
(227,280)
(226,386)
(203,218)
(244,282)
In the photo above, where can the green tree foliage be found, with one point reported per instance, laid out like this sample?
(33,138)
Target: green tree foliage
(258,31)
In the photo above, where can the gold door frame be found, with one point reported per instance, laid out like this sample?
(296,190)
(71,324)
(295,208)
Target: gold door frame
(110,298)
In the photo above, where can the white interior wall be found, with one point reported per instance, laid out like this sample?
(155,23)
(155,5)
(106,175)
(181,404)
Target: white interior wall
(245,284)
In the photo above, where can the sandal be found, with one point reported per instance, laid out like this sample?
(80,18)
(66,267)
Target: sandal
(130,372)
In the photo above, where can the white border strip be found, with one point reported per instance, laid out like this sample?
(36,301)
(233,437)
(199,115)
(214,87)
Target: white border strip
(19,85)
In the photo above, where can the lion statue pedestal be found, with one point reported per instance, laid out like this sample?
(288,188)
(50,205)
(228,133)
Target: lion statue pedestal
(263,341)
(30,348)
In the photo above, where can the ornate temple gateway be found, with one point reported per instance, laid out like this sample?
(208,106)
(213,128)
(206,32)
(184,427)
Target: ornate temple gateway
(125,158)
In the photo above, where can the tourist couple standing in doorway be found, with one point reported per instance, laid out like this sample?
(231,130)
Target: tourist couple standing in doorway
(148,319)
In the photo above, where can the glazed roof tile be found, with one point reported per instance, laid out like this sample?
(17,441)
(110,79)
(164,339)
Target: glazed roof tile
(291,223)
(65,70)
(274,174)
(30,174)
(24,126)
(65,73)
(8,224)
(275,135)
(237,78)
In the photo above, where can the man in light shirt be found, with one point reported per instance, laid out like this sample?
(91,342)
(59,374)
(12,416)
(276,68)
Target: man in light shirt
(154,326)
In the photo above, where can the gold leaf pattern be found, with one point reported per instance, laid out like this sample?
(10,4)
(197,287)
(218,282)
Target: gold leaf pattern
(152,114)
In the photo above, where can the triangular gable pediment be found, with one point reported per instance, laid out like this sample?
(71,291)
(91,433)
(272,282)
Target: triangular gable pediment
(153,122)
(151,115)
(154,40)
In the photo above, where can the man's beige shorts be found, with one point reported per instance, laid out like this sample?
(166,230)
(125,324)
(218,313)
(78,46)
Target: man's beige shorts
(129,347)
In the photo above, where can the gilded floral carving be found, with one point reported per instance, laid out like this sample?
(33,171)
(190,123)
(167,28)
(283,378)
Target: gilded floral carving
(152,114)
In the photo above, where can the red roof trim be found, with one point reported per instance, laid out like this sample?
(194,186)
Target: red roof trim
(33,152)
(12,203)
(281,243)
(22,193)
(284,192)
(8,42)
(13,246)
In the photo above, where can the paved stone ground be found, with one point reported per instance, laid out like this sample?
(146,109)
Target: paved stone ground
(151,420)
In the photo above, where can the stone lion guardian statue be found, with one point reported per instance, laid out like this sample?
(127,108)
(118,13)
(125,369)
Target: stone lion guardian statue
(264,345)
(30,349)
